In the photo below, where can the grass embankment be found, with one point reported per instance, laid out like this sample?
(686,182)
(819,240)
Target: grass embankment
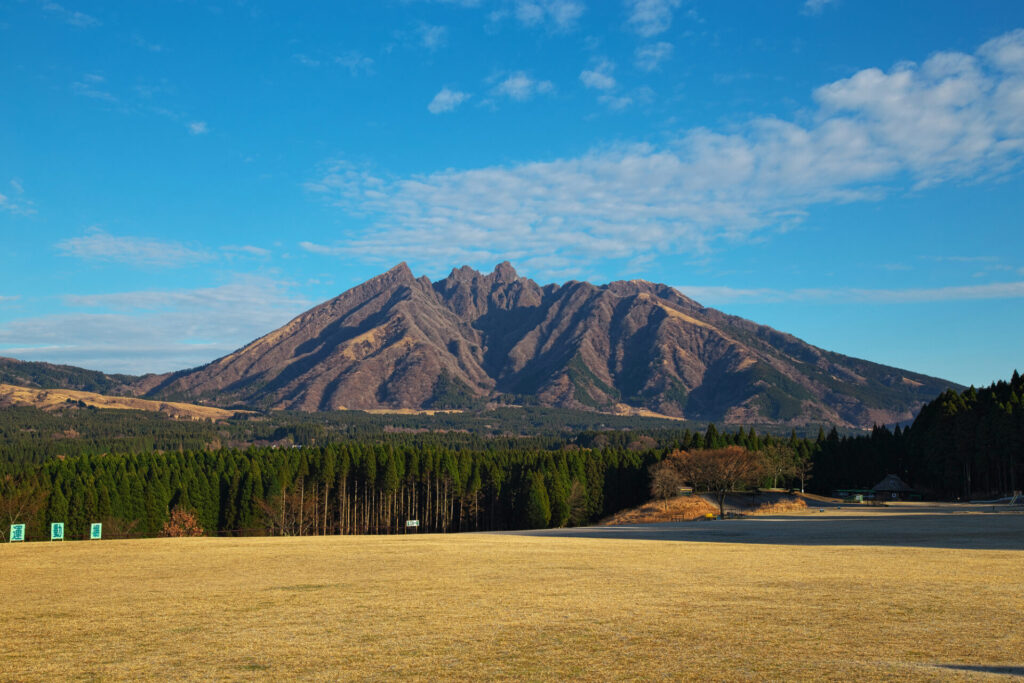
(497,606)
(688,508)
(50,399)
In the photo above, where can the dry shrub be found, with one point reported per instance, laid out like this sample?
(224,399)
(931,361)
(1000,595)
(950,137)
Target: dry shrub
(678,509)
(780,507)
(182,524)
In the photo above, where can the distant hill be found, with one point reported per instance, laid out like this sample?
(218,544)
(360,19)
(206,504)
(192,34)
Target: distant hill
(49,399)
(401,342)
(50,376)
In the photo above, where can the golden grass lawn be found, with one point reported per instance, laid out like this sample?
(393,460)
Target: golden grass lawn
(501,606)
(48,399)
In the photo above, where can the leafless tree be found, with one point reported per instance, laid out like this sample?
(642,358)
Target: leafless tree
(721,470)
(665,480)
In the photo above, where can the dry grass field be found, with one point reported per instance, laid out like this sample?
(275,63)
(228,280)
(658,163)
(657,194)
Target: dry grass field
(49,399)
(506,606)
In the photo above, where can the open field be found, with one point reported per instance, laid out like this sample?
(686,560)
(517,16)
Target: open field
(535,607)
(48,399)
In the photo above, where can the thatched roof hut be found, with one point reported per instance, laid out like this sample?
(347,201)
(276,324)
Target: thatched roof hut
(892,487)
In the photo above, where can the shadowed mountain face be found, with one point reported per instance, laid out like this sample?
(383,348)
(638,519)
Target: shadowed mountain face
(400,342)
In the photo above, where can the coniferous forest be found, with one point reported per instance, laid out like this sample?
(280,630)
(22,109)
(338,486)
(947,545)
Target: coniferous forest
(353,473)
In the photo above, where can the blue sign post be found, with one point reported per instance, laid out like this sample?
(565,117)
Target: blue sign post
(57,531)
(17,532)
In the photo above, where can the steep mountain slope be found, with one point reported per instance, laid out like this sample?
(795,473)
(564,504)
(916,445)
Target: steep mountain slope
(402,342)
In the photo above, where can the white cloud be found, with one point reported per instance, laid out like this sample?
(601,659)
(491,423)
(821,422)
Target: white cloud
(651,17)
(154,331)
(600,77)
(90,86)
(97,245)
(305,60)
(10,298)
(521,87)
(717,296)
(432,37)
(615,102)
(447,100)
(198,128)
(20,206)
(954,117)
(559,14)
(247,250)
(816,6)
(650,57)
(356,63)
(79,19)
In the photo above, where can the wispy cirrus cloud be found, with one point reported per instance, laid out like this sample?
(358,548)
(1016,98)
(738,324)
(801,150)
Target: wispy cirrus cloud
(16,202)
(99,245)
(954,117)
(357,63)
(717,296)
(154,330)
(72,17)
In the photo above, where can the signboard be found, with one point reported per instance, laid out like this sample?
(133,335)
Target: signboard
(57,531)
(17,532)
(95,531)
(412,522)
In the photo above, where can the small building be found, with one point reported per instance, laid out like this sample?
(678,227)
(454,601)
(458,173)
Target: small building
(894,488)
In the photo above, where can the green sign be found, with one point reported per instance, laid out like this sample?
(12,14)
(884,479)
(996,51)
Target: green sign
(57,531)
(95,531)
(412,522)
(17,532)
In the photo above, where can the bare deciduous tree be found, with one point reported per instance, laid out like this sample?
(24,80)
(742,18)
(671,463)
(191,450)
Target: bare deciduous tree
(665,480)
(721,470)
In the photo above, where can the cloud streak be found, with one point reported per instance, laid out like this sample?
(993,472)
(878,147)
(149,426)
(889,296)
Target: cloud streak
(154,331)
(98,245)
(716,296)
(955,117)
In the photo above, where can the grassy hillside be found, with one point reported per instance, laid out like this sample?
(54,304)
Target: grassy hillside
(481,606)
(50,376)
(49,399)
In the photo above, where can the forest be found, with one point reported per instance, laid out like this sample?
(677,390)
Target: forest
(345,473)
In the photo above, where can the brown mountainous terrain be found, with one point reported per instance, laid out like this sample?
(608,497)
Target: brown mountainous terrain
(397,341)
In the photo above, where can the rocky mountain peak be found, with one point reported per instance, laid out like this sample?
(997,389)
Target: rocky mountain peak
(398,342)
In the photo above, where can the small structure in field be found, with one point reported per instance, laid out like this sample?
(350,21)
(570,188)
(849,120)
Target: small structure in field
(894,488)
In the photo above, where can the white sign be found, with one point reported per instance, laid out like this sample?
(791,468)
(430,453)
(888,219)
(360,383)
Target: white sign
(412,522)
(17,532)
(95,531)
(57,531)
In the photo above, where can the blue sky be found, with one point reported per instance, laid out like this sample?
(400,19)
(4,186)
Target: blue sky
(178,178)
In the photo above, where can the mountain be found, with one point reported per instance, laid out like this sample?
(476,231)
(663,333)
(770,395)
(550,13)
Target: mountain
(48,376)
(397,341)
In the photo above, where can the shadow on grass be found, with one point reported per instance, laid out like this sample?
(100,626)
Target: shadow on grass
(959,531)
(980,668)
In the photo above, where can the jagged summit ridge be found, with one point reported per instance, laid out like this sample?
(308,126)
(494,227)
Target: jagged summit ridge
(396,341)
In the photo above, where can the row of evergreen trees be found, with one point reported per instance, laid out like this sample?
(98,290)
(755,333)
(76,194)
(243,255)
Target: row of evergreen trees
(349,488)
(961,445)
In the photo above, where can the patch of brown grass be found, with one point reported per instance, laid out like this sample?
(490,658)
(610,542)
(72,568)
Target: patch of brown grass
(678,509)
(51,399)
(484,606)
(780,507)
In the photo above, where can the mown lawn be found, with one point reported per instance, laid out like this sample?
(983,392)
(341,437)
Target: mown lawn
(497,606)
